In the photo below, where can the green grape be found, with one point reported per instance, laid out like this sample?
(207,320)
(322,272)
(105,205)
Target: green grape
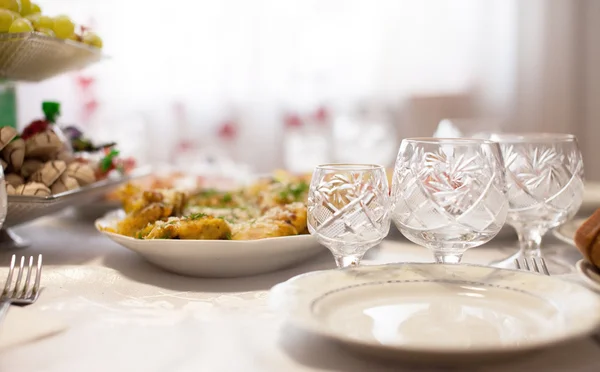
(40,21)
(91,38)
(25,7)
(35,8)
(63,27)
(75,37)
(20,25)
(45,31)
(6,19)
(12,5)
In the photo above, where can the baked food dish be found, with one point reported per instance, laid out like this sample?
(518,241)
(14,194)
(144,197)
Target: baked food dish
(587,239)
(43,155)
(268,208)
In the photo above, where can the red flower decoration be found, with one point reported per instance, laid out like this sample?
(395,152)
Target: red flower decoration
(321,115)
(228,130)
(293,121)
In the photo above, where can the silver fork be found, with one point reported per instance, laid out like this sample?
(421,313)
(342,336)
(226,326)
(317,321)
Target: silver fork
(538,265)
(18,294)
(535,264)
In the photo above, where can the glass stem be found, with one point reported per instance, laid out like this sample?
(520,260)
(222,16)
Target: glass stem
(348,261)
(529,243)
(447,258)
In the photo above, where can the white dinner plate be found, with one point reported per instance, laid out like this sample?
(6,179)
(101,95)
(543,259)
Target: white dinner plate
(216,258)
(435,313)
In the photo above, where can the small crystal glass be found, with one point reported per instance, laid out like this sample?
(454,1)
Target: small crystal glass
(449,194)
(545,187)
(348,209)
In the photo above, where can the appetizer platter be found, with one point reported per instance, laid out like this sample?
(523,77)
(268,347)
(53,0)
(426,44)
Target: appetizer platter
(35,46)
(255,229)
(43,174)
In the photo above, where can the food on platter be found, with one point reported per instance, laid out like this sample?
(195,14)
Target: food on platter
(272,207)
(587,239)
(32,189)
(25,16)
(42,156)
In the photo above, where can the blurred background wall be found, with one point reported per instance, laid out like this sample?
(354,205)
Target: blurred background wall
(244,74)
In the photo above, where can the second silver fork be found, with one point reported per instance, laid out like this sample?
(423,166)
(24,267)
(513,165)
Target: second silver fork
(535,264)
(18,294)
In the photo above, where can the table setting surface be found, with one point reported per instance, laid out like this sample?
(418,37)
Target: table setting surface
(106,308)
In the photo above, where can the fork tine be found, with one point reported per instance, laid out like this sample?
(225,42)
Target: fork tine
(15,292)
(38,277)
(517,264)
(10,275)
(544,267)
(26,288)
(535,266)
(527,267)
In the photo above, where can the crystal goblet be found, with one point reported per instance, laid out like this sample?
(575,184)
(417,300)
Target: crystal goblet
(545,186)
(348,209)
(449,194)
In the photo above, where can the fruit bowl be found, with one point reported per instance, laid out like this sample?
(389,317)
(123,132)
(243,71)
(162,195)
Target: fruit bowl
(33,56)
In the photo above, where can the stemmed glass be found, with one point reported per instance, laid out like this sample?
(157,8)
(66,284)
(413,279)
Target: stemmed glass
(545,186)
(348,209)
(449,194)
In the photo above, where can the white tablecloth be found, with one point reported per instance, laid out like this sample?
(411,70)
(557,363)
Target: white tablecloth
(125,315)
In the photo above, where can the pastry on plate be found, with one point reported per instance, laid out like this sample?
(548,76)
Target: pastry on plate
(49,173)
(7,134)
(64,183)
(83,173)
(30,166)
(42,144)
(13,179)
(33,189)
(14,154)
(587,239)
(10,190)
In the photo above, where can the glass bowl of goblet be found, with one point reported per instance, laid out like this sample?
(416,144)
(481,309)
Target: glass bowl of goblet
(544,188)
(449,194)
(348,209)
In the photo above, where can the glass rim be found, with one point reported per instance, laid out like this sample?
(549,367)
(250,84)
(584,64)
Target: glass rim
(541,137)
(349,166)
(450,141)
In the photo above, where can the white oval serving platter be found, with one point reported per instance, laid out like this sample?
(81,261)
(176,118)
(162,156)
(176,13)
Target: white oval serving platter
(216,258)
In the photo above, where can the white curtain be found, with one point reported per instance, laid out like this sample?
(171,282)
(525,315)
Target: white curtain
(251,60)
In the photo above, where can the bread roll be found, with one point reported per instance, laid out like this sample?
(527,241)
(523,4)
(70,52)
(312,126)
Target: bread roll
(33,189)
(65,156)
(43,144)
(83,173)
(64,183)
(14,154)
(14,179)
(587,239)
(49,173)
(10,190)
(7,134)
(30,166)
